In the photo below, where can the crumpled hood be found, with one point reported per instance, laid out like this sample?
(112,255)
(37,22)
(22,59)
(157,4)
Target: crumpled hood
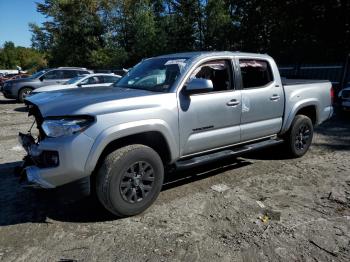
(92,101)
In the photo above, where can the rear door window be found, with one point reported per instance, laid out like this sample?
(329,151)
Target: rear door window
(255,73)
(54,74)
(69,74)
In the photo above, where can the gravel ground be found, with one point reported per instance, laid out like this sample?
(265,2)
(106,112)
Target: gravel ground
(260,207)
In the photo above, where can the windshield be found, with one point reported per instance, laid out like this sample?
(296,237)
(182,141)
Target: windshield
(73,80)
(155,74)
(37,74)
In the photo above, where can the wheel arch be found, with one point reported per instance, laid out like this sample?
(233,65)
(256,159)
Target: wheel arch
(308,108)
(309,111)
(152,139)
(156,136)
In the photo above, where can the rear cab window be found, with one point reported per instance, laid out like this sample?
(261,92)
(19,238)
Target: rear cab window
(255,73)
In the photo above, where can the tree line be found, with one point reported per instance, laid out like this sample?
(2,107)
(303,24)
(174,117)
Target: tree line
(116,33)
(12,57)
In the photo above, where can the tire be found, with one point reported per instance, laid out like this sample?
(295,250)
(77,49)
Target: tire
(299,137)
(123,187)
(23,92)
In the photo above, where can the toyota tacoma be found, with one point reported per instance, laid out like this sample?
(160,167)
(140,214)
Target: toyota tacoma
(176,111)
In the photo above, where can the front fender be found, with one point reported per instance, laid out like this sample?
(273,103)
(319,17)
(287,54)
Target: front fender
(131,128)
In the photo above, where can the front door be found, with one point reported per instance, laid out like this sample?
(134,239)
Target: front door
(210,120)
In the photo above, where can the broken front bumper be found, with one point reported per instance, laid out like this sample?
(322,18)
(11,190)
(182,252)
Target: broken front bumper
(55,161)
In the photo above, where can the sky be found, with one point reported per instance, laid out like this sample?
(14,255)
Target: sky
(15,15)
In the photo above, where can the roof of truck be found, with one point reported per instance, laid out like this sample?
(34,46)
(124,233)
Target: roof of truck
(211,53)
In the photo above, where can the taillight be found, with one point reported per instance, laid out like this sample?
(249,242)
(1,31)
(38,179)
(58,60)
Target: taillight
(332,93)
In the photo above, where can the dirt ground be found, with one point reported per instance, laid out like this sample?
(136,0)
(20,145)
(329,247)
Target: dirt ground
(260,207)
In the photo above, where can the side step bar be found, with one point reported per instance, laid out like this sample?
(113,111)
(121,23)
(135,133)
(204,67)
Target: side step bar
(204,159)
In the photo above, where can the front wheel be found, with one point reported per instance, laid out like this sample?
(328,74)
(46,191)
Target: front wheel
(299,138)
(23,93)
(129,180)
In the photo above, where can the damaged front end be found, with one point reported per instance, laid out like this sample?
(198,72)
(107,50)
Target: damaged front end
(35,157)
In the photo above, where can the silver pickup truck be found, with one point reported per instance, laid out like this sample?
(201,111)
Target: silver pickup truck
(176,110)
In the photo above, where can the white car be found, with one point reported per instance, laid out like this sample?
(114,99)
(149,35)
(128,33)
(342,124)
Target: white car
(80,81)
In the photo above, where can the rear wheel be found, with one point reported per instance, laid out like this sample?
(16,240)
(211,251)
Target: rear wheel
(299,138)
(23,93)
(129,180)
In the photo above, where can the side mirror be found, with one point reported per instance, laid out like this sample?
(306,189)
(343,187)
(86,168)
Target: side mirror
(199,85)
(80,85)
(41,78)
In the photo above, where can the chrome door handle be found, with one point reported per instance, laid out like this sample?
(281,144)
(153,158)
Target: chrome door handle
(233,102)
(275,97)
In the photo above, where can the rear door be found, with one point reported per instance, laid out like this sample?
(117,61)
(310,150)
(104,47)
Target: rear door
(210,120)
(68,74)
(262,98)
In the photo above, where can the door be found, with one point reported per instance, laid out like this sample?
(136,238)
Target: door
(210,120)
(53,77)
(262,99)
(57,77)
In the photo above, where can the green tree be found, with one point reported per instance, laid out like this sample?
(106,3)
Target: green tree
(73,32)
(184,32)
(27,58)
(103,33)
(218,25)
(9,55)
(132,27)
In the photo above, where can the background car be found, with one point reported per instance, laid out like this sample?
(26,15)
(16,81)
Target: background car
(19,76)
(90,80)
(4,78)
(344,96)
(19,88)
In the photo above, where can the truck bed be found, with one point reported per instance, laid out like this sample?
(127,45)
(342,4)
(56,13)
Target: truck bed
(289,82)
(306,92)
